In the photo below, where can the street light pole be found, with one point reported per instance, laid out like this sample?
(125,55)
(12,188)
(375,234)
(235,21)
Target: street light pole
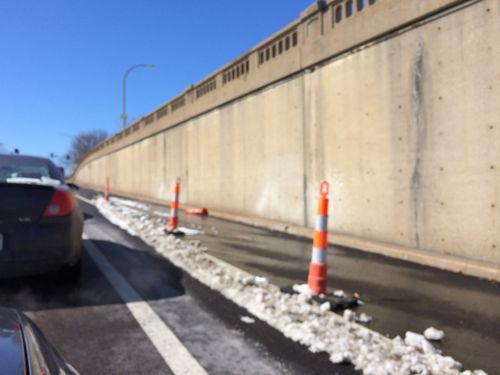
(124,90)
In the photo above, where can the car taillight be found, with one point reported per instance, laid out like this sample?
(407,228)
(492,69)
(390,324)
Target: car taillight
(62,203)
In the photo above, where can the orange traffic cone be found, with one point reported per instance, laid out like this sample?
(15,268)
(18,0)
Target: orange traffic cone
(197,211)
(173,221)
(106,190)
(318,266)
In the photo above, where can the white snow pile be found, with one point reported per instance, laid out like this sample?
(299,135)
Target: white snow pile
(189,231)
(433,334)
(350,315)
(46,181)
(418,341)
(129,203)
(260,281)
(325,306)
(294,315)
(247,320)
(302,289)
(363,318)
(161,214)
(128,219)
(339,293)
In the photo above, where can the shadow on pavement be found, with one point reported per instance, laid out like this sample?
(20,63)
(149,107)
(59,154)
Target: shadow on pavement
(87,216)
(151,275)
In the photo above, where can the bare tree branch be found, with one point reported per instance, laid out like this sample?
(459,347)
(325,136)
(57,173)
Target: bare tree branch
(83,143)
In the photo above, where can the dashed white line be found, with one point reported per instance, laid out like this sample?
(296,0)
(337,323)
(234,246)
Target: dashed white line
(173,352)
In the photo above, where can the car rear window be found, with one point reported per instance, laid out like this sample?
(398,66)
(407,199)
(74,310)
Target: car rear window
(26,167)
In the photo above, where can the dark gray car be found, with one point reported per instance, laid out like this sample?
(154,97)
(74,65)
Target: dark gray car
(24,350)
(40,222)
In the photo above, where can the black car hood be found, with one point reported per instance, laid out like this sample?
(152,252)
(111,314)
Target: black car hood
(27,351)
(12,355)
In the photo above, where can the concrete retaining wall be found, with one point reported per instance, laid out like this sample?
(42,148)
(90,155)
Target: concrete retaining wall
(406,128)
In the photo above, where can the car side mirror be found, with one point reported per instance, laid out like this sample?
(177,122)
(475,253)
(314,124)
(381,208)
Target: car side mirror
(73,186)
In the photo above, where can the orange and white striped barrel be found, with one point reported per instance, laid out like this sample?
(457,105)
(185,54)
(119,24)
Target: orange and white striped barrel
(106,190)
(173,222)
(318,266)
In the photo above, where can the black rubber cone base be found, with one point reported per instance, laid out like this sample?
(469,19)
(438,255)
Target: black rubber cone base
(175,232)
(288,289)
(336,302)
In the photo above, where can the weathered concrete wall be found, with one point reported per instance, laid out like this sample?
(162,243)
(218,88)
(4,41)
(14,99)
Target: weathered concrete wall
(409,132)
(407,129)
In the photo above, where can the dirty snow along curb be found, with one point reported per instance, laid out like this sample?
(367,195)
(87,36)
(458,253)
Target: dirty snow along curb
(308,324)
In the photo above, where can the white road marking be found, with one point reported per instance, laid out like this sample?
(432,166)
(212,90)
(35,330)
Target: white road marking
(86,200)
(174,353)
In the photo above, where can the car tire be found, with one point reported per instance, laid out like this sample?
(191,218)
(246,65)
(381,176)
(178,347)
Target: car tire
(71,273)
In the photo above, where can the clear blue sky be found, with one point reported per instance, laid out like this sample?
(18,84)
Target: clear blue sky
(62,61)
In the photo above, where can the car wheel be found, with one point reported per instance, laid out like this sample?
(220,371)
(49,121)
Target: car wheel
(71,273)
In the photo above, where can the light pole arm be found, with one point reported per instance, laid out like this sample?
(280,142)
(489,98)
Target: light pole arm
(124,90)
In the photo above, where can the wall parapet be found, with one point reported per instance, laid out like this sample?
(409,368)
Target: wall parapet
(321,33)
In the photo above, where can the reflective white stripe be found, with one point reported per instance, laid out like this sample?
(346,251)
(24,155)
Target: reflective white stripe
(321,223)
(318,256)
(175,198)
(173,212)
(173,352)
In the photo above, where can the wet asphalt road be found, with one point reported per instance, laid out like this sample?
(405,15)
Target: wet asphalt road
(94,330)
(400,296)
